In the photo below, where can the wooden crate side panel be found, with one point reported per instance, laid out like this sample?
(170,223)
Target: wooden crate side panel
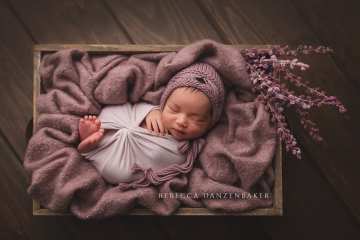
(125,48)
(36,92)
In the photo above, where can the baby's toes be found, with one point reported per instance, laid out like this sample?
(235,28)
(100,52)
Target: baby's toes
(99,133)
(85,121)
(97,123)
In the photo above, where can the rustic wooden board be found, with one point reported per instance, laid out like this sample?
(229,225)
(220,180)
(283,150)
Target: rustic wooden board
(280,22)
(51,21)
(15,75)
(277,208)
(162,22)
(312,210)
(124,48)
(17,221)
(15,204)
(341,77)
(339,32)
(16,93)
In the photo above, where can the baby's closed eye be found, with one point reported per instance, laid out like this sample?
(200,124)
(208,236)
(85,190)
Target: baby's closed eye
(199,119)
(173,109)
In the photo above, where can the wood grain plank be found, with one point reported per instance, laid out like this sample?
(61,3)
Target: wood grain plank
(219,227)
(16,95)
(15,75)
(15,211)
(16,105)
(258,23)
(126,48)
(16,218)
(336,27)
(341,19)
(165,22)
(279,22)
(69,21)
(312,210)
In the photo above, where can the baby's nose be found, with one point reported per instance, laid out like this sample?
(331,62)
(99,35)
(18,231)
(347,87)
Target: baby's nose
(181,121)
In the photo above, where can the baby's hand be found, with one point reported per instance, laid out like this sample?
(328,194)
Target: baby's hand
(154,123)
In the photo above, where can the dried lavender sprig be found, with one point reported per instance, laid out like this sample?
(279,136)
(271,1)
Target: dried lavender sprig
(301,49)
(277,115)
(309,125)
(329,100)
(263,66)
(318,98)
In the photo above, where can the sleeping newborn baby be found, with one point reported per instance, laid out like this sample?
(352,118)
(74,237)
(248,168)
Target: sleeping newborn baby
(148,136)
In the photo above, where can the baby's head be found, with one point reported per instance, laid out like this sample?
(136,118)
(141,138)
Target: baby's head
(192,101)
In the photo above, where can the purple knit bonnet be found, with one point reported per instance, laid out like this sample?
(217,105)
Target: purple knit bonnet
(203,77)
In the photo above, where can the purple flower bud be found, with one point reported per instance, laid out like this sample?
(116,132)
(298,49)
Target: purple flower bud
(305,106)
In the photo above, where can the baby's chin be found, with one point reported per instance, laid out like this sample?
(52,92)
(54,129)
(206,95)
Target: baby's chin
(178,139)
(181,137)
(178,136)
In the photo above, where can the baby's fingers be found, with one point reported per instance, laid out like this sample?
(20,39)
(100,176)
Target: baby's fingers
(155,126)
(161,127)
(148,124)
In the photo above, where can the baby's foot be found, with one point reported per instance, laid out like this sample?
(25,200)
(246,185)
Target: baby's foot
(88,125)
(91,141)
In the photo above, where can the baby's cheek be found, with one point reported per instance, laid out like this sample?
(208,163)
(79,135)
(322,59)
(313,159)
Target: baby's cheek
(194,129)
(165,121)
(200,129)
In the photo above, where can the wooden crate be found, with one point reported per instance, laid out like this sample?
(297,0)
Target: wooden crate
(40,49)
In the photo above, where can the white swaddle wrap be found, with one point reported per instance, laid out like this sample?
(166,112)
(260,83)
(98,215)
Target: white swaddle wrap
(126,143)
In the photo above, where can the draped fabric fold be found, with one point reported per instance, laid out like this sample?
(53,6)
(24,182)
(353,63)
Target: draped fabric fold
(191,151)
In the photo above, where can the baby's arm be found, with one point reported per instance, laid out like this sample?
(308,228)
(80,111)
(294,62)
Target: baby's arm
(90,133)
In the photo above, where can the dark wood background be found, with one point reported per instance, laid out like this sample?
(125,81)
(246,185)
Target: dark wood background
(321,197)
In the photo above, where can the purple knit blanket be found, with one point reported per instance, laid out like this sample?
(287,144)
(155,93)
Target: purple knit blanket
(236,157)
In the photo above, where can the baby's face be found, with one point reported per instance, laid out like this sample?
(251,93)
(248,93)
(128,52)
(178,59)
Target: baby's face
(186,114)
